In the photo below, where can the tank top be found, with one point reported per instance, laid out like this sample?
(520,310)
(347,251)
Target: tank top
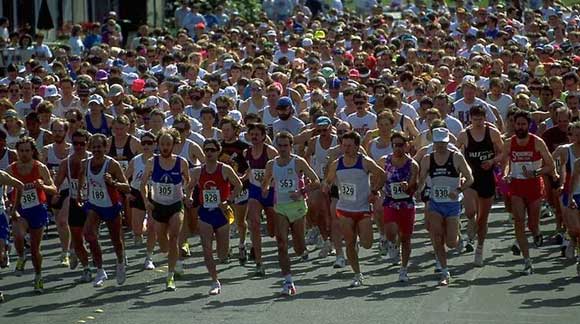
(444,179)
(354,186)
(320,156)
(74,182)
(123,154)
(3,205)
(138,169)
(395,196)
(268,120)
(39,141)
(100,194)
(253,109)
(167,184)
(286,180)
(233,155)
(400,126)
(477,152)
(213,188)
(570,170)
(102,129)
(257,166)
(184,153)
(376,152)
(524,157)
(53,162)
(5,160)
(31,196)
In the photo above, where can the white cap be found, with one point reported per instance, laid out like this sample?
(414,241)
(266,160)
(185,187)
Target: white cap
(51,91)
(307,42)
(440,135)
(521,88)
(96,99)
(151,102)
(170,70)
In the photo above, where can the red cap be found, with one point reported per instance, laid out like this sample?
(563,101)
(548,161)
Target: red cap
(348,57)
(576,59)
(200,25)
(354,73)
(138,85)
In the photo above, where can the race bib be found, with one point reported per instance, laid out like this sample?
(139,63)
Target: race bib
(397,191)
(124,165)
(242,196)
(440,193)
(165,190)
(348,191)
(29,198)
(287,185)
(211,198)
(74,187)
(97,194)
(258,175)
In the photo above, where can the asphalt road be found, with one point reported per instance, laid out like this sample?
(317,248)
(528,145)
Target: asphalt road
(496,293)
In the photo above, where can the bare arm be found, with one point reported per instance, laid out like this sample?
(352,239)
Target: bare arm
(119,181)
(145,180)
(303,167)
(47,184)
(548,167)
(464,169)
(8,180)
(377,173)
(230,175)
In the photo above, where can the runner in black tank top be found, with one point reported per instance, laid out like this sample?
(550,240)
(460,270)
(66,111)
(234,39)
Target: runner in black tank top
(475,154)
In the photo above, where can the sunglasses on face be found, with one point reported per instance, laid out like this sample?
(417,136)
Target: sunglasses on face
(360,103)
(76,143)
(222,107)
(281,108)
(146,142)
(399,145)
(210,150)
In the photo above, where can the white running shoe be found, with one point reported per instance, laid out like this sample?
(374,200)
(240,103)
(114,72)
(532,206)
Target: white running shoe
(216,288)
(357,281)
(121,274)
(100,278)
(288,289)
(340,262)
(148,264)
(391,251)
(445,278)
(478,258)
(403,276)
(528,268)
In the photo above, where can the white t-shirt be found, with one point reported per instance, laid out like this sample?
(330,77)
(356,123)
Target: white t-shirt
(293,125)
(461,111)
(409,111)
(502,104)
(362,124)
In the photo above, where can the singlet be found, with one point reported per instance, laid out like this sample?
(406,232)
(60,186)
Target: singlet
(376,152)
(233,155)
(103,128)
(185,151)
(53,162)
(253,109)
(444,179)
(213,188)
(5,159)
(100,194)
(167,184)
(400,126)
(320,156)
(268,120)
(3,205)
(74,182)
(39,141)
(257,166)
(570,170)
(286,180)
(477,152)
(524,157)
(138,169)
(354,186)
(395,196)
(31,196)
(124,154)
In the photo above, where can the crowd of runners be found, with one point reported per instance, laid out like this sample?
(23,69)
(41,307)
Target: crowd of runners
(323,129)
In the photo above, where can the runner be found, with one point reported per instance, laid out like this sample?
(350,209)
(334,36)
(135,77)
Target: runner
(96,121)
(528,159)
(104,180)
(399,205)
(444,167)
(141,224)
(352,173)
(571,196)
(481,146)
(214,181)
(7,156)
(30,203)
(52,155)
(287,171)
(69,171)
(5,215)
(257,156)
(169,177)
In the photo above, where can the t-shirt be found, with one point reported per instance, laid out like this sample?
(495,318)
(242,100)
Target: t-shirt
(362,124)
(293,125)
(461,111)
(502,104)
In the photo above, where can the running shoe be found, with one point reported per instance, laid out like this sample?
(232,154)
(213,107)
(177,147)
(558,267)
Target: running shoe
(1,297)
(86,276)
(460,245)
(305,256)
(559,238)
(438,267)
(357,281)
(216,288)
(312,236)
(340,262)
(74,261)
(469,246)
(569,253)
(121,274)
(242,254)
(38,285)
(382,246)
(391,250)
(325,250)
(538,240)
(528,268)
(20,266)
(185,251)
(179,268)
(260,270)
(445,278)
(478,258)
(100,278)
(545,211)
(170,284)
(403,275)
(289,289)
(148,264)
(65,260)
(516,248)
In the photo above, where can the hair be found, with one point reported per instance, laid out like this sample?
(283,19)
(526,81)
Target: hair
(122,119)
(171,132)
(98,137)
(61,121)
(259,126)
(231,121)
(401,135)
(523,114)
(477,110)
(575,125)
(29,140)
(285,135)
(81,133)
(147,134)
(207,110)
(44,107)
(353,136)
(386,114)
(181,118)
(214,142)
(437,123)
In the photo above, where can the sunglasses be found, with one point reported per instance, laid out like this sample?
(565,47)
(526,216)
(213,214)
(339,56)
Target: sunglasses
(360,103)
(222,107)
(210,150)
(71,121)
(79,143)
(146,142)
(399,145)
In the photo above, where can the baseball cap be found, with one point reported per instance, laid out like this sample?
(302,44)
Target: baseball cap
(440,135)
(102,75)
(51,91)
(353,73)
(285,102)
(323,121)
(170,70)
(96,99)
(138,85)
(335,83)
(151,102)
(115,90)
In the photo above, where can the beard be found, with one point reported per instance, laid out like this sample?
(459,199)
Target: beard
(284,116)
(521,133)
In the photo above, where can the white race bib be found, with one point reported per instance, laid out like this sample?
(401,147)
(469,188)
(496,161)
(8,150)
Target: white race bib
(124,165)
(211,198)
(287,185)
(244,195)
(397,191)
(347,191)
(97,194)
(29,198)
(440,193)
(166,190)
(258,175)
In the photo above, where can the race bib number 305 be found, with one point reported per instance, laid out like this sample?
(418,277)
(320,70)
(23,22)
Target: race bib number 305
(258,175)
(348,191)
